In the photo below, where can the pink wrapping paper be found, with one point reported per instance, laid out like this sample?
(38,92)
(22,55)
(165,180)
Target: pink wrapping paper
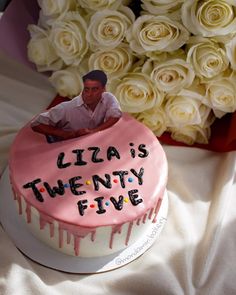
(14,35)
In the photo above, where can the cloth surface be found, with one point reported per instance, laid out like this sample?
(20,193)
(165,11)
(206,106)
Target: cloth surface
(195,253)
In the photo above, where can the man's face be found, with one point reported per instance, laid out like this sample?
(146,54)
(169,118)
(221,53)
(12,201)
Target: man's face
(92,92)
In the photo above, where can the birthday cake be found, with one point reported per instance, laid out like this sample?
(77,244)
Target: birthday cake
(89,196)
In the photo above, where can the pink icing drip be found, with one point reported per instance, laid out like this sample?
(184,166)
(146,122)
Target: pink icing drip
(14,195)
(150,213)
(60,237)
(77,231)
(28,212)
(138,221)
(10,178)
(144,218)
(68,237)
(129,233)
(18,199)
(51,225)
(42,222)
(93,234)
(115,229)
(19,204)
(111,240)
(76,244)
(157,210)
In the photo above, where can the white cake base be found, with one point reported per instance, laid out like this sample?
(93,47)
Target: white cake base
(16,228)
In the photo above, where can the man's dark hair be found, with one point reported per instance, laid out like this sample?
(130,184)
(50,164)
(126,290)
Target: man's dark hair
(96,75)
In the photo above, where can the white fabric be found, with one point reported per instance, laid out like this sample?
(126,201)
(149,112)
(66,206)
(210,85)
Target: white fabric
(195,253)
(74,114)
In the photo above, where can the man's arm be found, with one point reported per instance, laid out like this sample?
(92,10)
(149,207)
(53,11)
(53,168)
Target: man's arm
(46,123)
(54,131)
(58,132)
(108,123)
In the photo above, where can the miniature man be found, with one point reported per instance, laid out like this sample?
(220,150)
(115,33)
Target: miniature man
(93,110)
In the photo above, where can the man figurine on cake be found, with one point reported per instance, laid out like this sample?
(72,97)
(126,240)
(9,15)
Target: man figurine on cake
(93,110)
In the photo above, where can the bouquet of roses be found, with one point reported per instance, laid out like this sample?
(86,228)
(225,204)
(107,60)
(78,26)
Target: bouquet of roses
(169,63)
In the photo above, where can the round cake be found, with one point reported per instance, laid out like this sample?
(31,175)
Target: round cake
(93,195)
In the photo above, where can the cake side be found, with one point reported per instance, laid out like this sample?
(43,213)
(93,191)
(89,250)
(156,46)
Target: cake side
(92,242)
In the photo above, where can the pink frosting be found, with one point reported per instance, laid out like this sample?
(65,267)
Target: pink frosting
(33,158)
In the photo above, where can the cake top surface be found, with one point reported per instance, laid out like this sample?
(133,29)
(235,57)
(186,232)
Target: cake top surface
(106,178)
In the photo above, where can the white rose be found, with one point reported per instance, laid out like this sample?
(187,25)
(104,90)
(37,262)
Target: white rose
(171,75)
(68,82)
(136,92)
(155,119)
(186,134)
(191,134)
(184,108)
(158,56)
(68,36)
(209,18)
(160,7)
(206,114)
(107,29)
(221,96)
(231,52)
(114,62)
(46,21)
(100,5)
(161,56)
(203,134)
(151,33)
(56,7)
(41,52)
(207,57)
